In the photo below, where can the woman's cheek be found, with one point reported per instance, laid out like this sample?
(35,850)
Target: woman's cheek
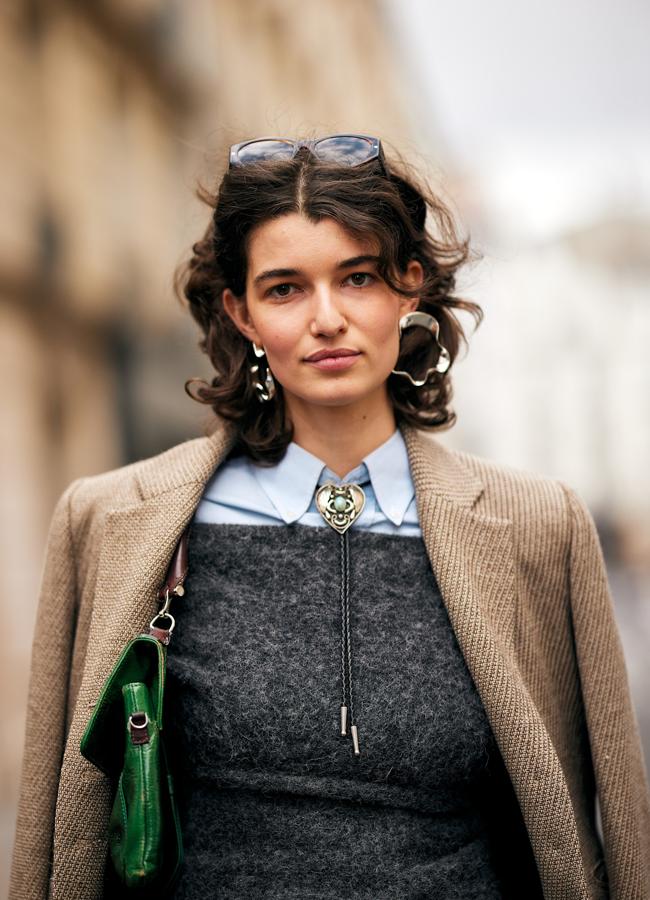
(283,358)
(388,341)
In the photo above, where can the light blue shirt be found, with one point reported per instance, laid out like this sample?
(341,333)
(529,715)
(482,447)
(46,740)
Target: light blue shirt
(241,492)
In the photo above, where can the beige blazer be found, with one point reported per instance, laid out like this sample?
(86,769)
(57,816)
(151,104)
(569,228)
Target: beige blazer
(520,568)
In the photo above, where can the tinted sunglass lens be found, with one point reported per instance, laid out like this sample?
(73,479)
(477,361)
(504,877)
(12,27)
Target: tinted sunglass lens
(261,150)
(346,149)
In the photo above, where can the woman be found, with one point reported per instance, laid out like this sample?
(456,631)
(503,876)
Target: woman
(396,671)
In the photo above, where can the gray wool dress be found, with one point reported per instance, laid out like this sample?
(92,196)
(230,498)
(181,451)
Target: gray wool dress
(274,804)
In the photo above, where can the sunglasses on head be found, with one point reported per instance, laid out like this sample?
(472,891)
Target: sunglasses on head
(345,149)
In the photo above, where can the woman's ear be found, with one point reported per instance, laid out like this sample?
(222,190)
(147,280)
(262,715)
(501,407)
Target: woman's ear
(237,309)
(412,278)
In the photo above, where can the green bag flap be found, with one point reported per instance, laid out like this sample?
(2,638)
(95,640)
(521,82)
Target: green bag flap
(142,660)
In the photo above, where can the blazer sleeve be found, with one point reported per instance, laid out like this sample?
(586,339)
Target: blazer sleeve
(621,778)
(46,708)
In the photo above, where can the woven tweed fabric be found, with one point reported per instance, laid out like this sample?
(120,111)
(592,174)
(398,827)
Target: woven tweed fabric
(274,802)
(521,572)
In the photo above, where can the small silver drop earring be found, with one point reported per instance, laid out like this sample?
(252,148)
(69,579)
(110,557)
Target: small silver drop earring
(266,388)
(424,320)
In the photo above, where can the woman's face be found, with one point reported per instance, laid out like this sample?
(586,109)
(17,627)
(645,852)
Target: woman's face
(312,290)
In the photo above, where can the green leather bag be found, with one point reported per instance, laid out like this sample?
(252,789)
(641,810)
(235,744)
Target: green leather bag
(124,739)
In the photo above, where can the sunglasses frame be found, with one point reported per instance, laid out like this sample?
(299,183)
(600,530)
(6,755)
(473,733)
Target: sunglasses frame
(376,151)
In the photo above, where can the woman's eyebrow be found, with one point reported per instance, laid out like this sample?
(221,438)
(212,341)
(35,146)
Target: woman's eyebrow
(285,273)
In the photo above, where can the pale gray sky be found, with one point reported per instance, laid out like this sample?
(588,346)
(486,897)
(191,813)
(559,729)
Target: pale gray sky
(544,107)
(530,72)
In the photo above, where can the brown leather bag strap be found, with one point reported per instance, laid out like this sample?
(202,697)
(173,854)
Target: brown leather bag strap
(177,569)
(172,586)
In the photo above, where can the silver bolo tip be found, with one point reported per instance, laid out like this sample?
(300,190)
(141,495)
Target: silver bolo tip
(344,721)
(355,740)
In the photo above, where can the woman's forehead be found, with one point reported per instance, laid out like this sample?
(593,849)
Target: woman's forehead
(294,241)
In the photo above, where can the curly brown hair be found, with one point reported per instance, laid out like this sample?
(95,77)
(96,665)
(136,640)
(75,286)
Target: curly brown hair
(391,207)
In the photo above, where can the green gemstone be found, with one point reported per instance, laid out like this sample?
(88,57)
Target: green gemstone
(340,503)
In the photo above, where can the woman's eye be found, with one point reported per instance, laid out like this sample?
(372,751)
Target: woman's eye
(278,291)
(356,275)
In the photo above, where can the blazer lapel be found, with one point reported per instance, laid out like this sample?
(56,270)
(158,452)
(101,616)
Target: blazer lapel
(472,556)
(139,541)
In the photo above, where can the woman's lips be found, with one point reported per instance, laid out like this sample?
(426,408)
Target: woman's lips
(342,360)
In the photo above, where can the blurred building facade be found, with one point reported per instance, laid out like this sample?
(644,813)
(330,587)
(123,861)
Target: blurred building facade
(112,111)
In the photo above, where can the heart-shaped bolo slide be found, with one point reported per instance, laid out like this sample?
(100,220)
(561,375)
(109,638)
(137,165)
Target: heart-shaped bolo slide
(341,505)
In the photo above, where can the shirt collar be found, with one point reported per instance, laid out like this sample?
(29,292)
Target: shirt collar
(291,483)
(390,474)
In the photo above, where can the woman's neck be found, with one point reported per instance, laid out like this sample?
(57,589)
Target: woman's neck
(342,435)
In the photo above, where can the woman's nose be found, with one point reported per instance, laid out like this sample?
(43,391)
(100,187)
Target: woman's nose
(328,318)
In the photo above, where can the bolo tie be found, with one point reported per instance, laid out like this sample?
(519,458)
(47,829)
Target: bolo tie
(340,505)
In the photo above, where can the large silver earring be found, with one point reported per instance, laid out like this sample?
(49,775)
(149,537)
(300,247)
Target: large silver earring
(424,320)
(266,389)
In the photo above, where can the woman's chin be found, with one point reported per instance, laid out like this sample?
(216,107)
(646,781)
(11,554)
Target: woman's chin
(334,395)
